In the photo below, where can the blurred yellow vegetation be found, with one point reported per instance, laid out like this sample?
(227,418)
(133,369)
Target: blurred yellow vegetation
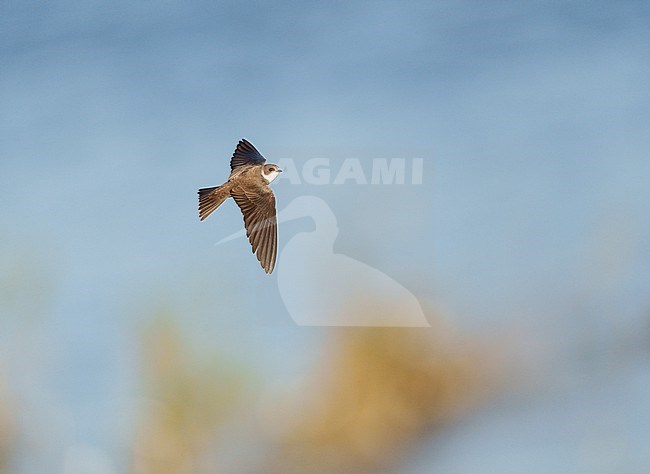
(7,432)
(380,391)
(372,397)
(185,405)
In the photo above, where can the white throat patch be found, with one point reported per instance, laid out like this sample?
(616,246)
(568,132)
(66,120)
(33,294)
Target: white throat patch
(271,176)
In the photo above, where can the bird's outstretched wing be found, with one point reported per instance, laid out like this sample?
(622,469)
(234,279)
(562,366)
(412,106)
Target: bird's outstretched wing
(245,154)
(257,204)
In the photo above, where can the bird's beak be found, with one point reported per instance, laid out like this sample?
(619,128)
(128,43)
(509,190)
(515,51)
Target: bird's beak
(279,170)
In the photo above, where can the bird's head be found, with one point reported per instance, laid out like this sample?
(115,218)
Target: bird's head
(270,172)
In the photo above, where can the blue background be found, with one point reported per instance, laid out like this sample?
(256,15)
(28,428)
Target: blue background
(533,215)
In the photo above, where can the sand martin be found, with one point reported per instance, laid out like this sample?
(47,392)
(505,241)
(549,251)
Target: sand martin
(248,185)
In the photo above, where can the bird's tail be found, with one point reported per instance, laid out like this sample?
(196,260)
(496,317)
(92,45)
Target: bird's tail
(210,199)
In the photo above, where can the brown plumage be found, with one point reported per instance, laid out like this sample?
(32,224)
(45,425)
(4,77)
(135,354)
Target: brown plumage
(248,185)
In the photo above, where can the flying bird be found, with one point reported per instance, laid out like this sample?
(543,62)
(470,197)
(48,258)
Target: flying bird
(248,185)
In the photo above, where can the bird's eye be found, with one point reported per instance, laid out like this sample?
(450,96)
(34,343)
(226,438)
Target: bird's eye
(271,169)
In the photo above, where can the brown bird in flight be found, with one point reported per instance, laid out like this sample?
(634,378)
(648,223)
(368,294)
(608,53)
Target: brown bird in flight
(248,184)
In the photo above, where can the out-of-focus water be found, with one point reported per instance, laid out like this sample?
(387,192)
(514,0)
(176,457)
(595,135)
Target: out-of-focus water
(532,120)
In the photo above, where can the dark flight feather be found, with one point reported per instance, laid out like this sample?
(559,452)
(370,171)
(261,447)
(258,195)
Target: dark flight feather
(246,154)
(258,207)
